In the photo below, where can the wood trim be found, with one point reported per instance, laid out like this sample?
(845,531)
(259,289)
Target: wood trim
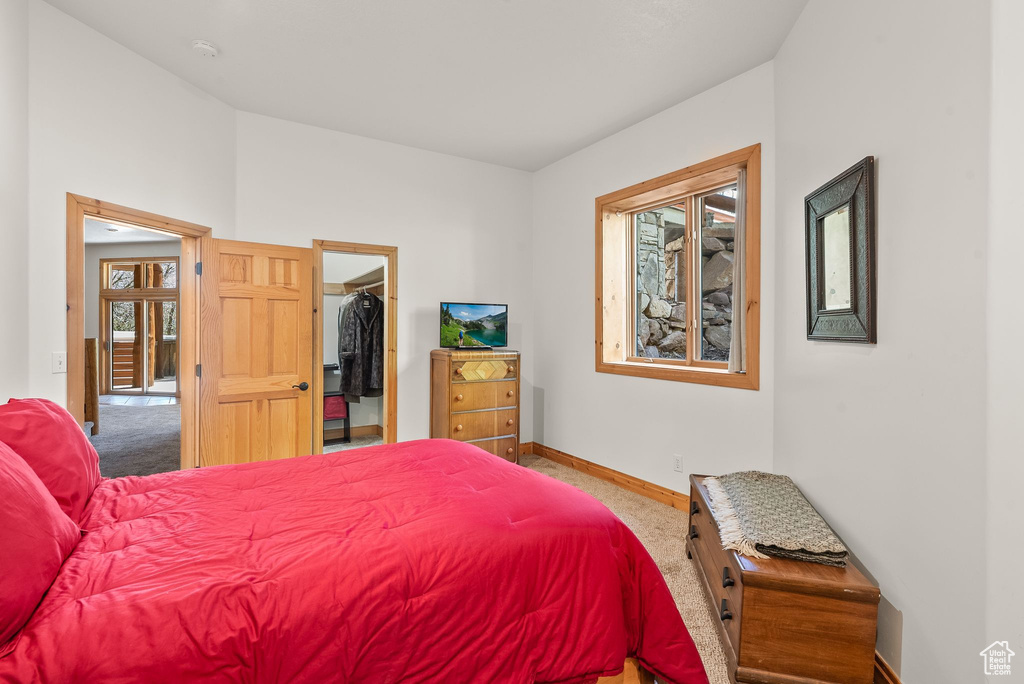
(136,218)
(632,673)
(614,336)
(884,673)
(724,162)
(78,207)
(634,484)
(390,254)
(355,431)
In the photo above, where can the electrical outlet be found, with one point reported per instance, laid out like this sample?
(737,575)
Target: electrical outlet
(677,462)
(59,361)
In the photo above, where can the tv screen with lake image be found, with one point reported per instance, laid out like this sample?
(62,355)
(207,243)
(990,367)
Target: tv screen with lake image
(474,325)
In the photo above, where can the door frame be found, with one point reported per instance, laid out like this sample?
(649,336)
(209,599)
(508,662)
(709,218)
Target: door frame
(78,207)
(390,413)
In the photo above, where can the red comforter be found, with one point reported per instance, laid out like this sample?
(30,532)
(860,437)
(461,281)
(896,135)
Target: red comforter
(426,561)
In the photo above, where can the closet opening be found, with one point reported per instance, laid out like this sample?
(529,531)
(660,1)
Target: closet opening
(356,374)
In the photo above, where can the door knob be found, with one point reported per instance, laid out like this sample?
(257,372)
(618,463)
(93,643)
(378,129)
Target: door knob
(301,386)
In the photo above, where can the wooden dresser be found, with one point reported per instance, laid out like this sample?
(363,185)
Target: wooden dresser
(783,621)
(474,397)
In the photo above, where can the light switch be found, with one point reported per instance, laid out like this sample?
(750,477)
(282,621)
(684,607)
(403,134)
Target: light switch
(60,362)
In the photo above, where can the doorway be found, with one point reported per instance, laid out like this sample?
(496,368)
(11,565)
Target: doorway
(132,326)
(356,333)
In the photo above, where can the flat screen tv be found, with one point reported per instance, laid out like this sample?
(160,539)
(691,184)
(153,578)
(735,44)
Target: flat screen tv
(466,325)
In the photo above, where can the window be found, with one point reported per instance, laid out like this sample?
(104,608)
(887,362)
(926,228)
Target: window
(678,274)
(139,325)
(139,274)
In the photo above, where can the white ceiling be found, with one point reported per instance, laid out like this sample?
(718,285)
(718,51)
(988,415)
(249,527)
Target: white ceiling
(100,232)
(521,83)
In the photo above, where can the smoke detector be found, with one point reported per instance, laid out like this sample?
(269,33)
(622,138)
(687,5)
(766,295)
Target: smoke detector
(205,48)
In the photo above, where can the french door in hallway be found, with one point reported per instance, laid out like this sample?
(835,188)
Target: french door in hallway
(139,303)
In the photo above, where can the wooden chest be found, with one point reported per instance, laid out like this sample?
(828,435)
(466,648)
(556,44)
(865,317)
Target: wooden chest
(474,397)
(783,621)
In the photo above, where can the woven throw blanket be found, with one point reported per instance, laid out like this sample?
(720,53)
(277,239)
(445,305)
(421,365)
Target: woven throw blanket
(761,514)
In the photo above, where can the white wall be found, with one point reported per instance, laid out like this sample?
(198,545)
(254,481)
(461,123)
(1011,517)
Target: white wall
(338,268)
(1005,600)
(462,229)
(13,197)
(107,124)
(888,440)
(108,250)
(634,425)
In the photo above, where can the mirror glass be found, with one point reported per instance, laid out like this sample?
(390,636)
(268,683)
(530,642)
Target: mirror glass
(837,271)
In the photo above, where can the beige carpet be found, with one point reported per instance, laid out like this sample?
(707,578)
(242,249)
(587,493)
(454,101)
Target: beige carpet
(662,530)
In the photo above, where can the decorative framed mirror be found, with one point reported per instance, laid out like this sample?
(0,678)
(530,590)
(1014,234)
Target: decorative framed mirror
(840,232)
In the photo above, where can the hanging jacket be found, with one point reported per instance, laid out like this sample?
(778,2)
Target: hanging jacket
(361,346)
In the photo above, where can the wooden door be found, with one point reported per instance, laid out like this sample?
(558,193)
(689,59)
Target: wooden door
(256,352)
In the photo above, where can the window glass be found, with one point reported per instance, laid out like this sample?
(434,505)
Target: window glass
(164,343)
(716,236)
(165,274)
(125,373)
(123,276)
(660,257)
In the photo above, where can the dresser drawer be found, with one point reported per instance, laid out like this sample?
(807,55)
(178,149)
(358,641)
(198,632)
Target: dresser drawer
(505,448)
(483,370)
(472,396)
(482,424)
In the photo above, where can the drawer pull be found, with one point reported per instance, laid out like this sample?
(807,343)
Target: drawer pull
(458,371)
(509,421)
(726,580)
(511,393)
(693,532)
(458,428)
(509,451)
(458,397)
(511,369)
(694,508)
(726,614)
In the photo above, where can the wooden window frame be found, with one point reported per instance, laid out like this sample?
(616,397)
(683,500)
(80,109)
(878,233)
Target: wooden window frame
(144,294)
(615,281)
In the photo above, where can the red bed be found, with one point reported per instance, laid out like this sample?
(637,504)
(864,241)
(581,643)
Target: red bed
(423,561)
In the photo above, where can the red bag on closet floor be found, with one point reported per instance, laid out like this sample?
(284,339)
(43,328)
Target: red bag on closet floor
(427,561)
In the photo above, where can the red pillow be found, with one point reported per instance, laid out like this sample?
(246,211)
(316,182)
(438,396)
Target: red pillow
(35,537)
(51,441)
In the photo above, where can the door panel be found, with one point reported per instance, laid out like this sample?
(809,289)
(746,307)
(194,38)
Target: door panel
(257,345)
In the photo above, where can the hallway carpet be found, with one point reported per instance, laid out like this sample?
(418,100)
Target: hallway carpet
(138,440)
(662,531)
